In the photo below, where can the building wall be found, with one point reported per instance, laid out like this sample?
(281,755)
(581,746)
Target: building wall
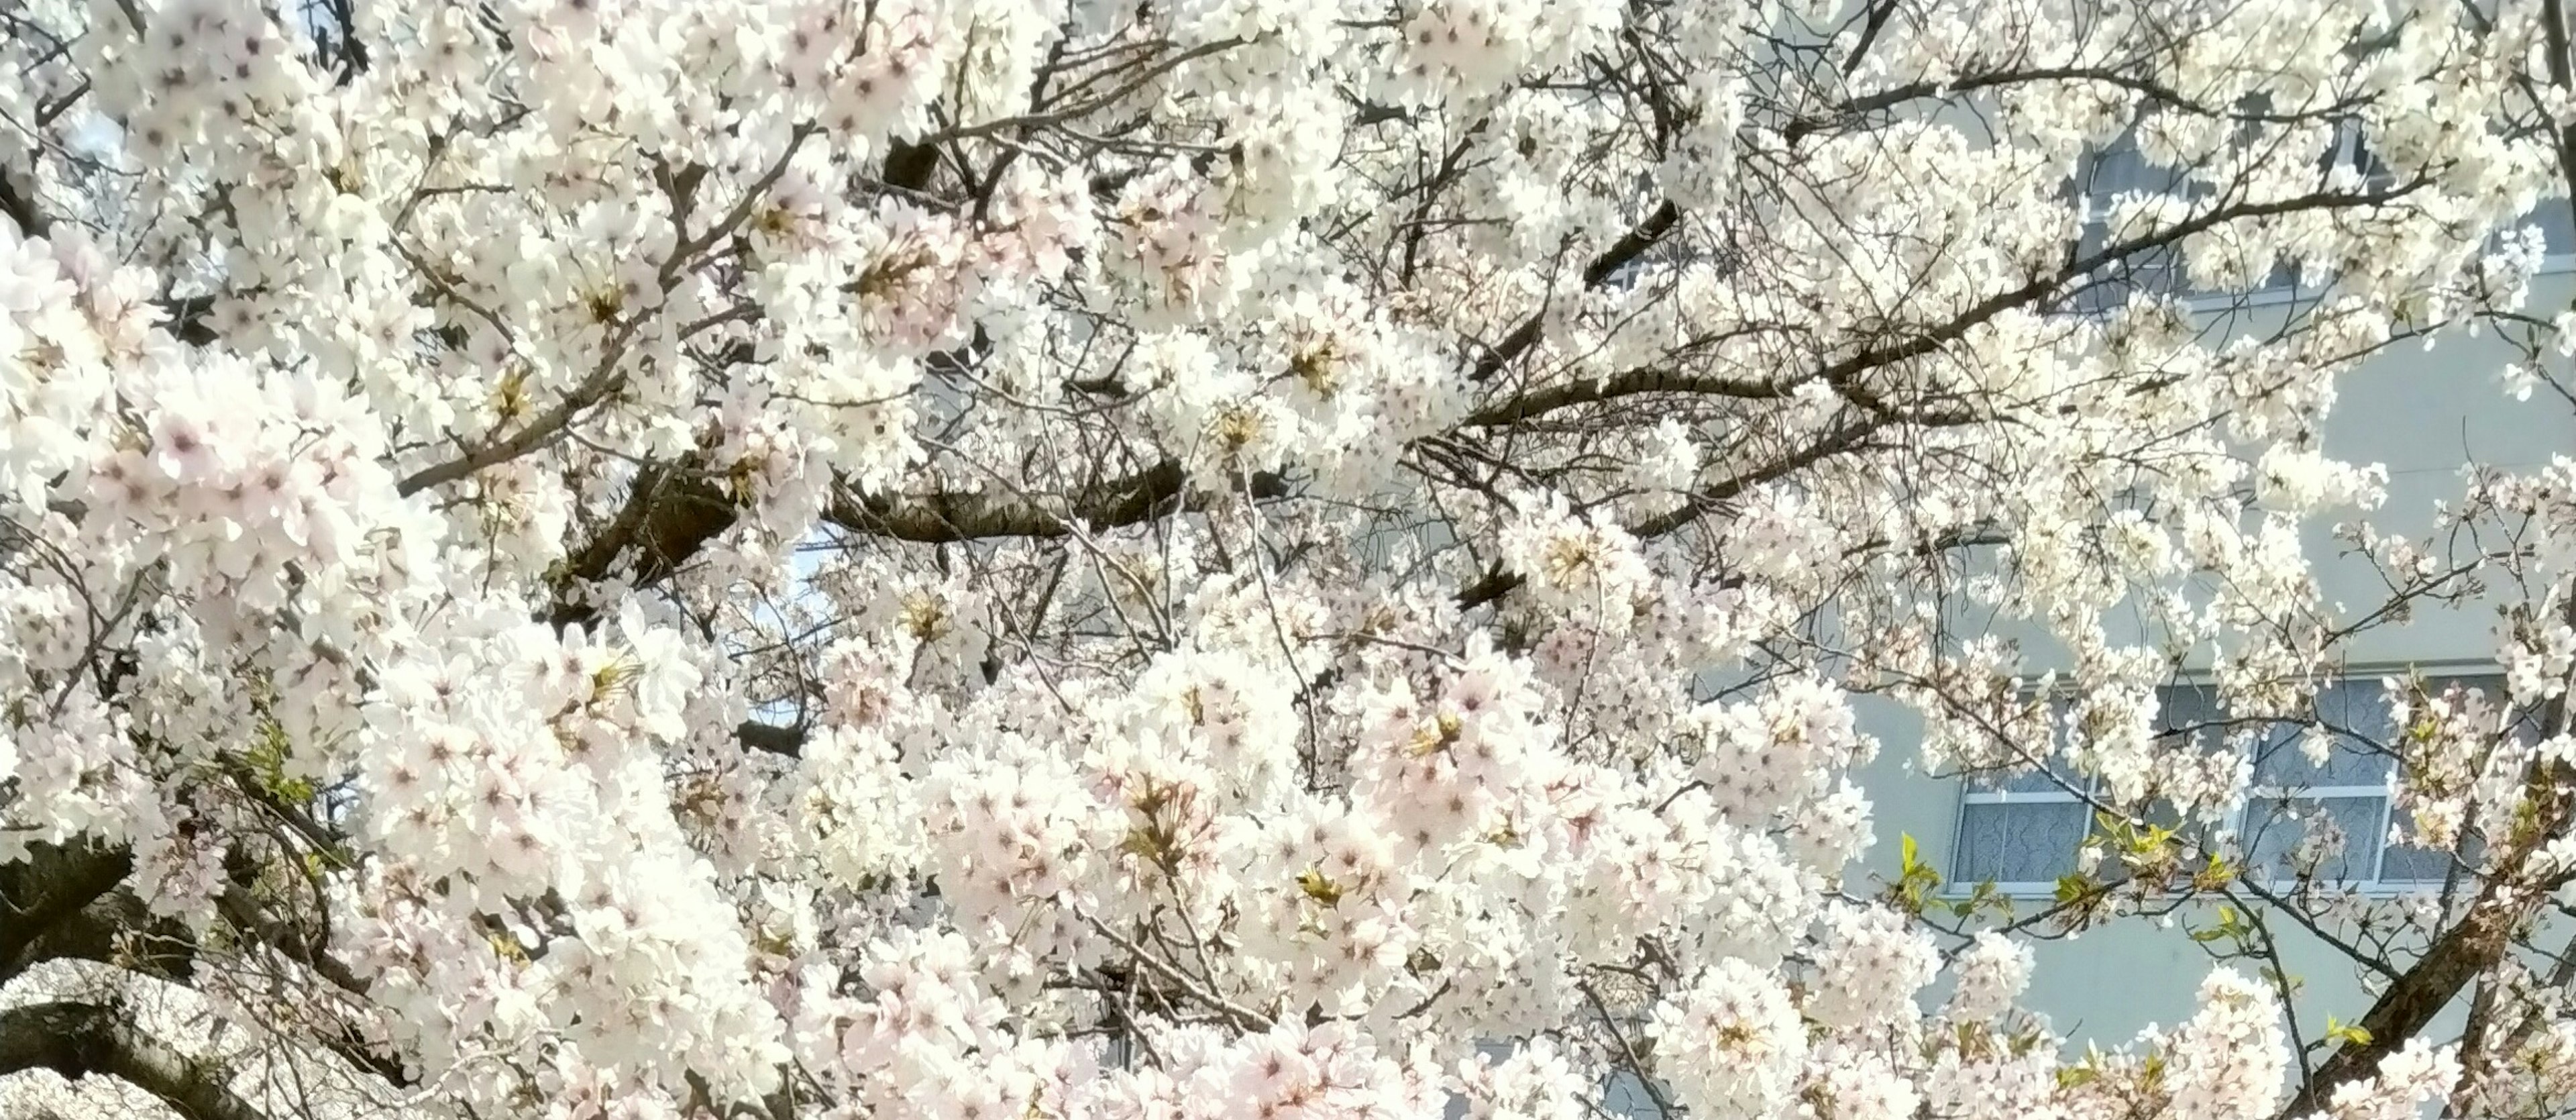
(2422,413)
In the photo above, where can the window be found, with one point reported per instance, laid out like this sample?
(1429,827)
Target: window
(2022,832)
(2329,820)
(2557,222)
(2105,178)
(2120,171)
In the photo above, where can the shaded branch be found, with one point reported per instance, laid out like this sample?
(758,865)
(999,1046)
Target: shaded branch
(48,889)
(946,518)
(670,513)
(1619,255)
(79,1039)
(771,738)
(21,209)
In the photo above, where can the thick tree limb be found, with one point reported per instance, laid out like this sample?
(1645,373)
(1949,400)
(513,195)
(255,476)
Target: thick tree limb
(770,737)
(675,511)
(77,1039)
(244,915)
(44,892)
(669,515)
(116,928)
(21,209)
(2462,953)
(947,518)
(1651,379)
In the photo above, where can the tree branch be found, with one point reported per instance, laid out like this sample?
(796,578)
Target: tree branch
(946,518)
(1619,255)
(77,1039)
(21,209)
(52,885)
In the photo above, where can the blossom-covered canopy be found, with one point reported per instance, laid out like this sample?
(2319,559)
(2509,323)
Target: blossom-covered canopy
(999,559)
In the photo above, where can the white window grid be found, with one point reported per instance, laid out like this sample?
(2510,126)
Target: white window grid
(2257,858)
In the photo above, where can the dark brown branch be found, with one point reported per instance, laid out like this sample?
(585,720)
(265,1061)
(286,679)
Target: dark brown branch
(117,929)
(41,893)
(771,738)
(1498,582)
(245,916)
(2462,953)
(1652,379)
(1619,255)
(1851,438)
(608,376)
(2154,92)
(79,1039)
(670,513)
(946,518)
(21,209)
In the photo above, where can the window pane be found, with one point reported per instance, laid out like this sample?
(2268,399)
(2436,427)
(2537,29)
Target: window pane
(2015,842)
(2192,712)
(2278,746)
(2408,863)
(1624,1095)
(2357,705)
(2103,179)
(2355,713)
(2275,828)
(2282,762)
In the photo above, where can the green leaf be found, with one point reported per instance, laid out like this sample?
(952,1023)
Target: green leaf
(2073,887)
(1319,888)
